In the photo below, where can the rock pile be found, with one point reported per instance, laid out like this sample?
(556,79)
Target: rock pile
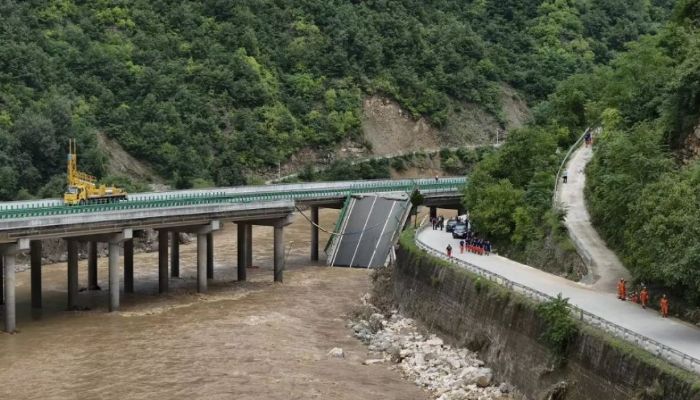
(449,373)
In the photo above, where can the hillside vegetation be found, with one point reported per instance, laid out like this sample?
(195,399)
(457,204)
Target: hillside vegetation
(208,91)
(643,197)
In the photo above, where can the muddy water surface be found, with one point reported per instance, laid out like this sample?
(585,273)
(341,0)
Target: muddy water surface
(250,340)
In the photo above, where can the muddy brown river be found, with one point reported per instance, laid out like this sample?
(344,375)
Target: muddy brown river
(251,340)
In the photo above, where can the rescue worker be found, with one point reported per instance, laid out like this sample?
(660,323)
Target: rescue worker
(644,297)
(461,247)
(449,251)
(664,306)
(621,290)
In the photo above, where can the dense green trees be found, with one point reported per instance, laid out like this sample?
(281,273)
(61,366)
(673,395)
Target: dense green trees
(642,196)
(216,90)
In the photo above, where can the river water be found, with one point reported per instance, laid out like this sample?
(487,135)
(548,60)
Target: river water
(250,340)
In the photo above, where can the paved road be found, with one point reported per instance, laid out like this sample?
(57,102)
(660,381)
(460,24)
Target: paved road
(604,268)
(671,332)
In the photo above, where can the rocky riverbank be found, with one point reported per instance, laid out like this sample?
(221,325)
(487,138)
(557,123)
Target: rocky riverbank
(448,373)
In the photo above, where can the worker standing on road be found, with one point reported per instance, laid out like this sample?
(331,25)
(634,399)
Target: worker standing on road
(635,297)
(644,297)
(621,290)
(449,251)
(664,306)
(461,247)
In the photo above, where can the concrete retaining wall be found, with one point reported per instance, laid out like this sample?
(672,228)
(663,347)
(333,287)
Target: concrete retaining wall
(505,330)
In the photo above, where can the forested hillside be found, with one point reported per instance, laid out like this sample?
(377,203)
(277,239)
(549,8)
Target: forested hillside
(644,196)
(214,90)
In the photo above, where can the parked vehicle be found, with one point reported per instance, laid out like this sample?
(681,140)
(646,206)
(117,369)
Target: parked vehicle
(460,231)
(450,224)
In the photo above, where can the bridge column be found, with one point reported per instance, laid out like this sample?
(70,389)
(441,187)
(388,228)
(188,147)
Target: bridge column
(175,254)
(35,259)
(202,235)
(279,253)
(129,266)
(72,269)
(9,283)
(162,261)
(210,256)
(242,247)
(249,246)
(7,257)
(114,244)
(433,212)
(461,211)
(314,233)
(92,266)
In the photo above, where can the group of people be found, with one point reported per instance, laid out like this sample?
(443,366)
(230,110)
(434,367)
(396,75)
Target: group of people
(437,222)
(475,245)
(641,296)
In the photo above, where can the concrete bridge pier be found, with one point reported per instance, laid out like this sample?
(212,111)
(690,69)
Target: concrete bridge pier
(279,253)
(162,261)
(433,212)
(72,245)
(35,260)
(129,266)
(114,243)
(202,247)
(242,246)
(210,255)
(92,266)
(8,254)
(174,254)
(314,233)
(2,280)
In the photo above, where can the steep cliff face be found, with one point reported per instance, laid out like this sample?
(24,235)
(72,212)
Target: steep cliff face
(505,330)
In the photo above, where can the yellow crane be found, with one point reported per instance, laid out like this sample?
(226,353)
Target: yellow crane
(82,188)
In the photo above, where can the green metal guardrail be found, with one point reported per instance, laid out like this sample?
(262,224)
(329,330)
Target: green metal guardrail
(192,199)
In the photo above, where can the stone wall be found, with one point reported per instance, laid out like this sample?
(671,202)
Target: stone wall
(505,329)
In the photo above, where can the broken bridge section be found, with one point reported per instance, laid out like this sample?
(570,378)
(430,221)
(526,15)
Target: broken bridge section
(368,227)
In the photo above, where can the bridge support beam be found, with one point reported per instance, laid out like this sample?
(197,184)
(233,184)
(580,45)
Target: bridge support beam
(461,211)
(279,253)
(8,254)
(202,236)
(210,255)
(242,247)
(114,244)
(9,283)
(314,233)
(129,266)
(174,254)
(249,246)
(162,261)
(35,260)
(433,212)
(92,266)
(72,270)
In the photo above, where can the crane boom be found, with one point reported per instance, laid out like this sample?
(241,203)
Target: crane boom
(82,188)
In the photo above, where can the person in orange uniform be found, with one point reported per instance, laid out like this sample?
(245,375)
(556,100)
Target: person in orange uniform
(644,297)
(664,306)
(635,297)
(621,290)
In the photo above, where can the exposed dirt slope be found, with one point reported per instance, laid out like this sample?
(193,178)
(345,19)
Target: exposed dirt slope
(122,163)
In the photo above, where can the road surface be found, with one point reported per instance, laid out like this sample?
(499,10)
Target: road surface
(670,332)
(604,268)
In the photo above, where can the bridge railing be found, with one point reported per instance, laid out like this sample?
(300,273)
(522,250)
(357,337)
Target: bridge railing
(176,199)
(661,350)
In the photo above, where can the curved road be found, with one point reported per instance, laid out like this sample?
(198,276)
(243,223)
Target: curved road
(670,332)
(604,268)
